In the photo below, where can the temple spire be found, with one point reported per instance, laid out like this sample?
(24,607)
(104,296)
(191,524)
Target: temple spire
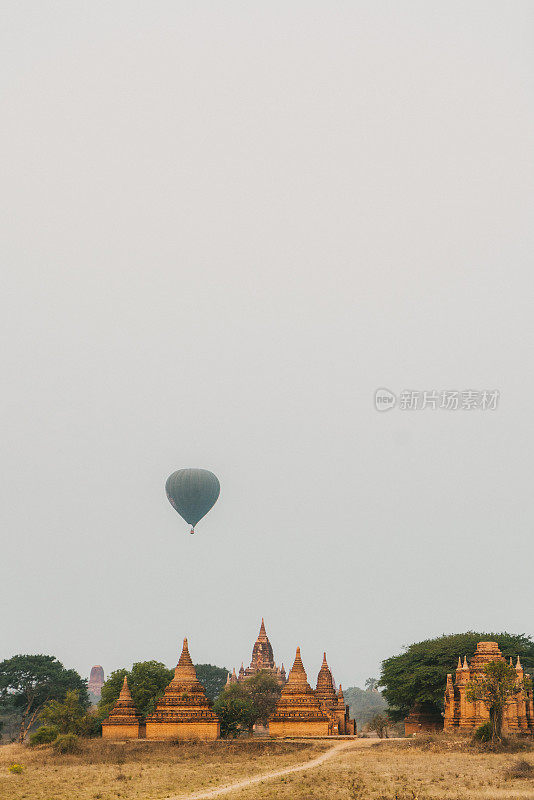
(125,691)
(185,671)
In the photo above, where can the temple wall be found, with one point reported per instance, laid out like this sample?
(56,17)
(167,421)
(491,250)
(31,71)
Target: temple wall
(202,731)
(126,731)
(296,728)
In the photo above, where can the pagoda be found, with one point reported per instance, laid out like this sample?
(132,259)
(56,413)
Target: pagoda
(332,704)
(123,721)
(346,726)
(467,715)
(326,694)
(298,711)
(262,660)
(184,711)
(96,681)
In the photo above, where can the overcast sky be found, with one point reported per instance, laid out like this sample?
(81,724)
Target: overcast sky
(224,225)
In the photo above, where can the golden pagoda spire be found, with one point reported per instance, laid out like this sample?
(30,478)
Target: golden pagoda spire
(125,691)
(185,670)
(297,673)
(466,665)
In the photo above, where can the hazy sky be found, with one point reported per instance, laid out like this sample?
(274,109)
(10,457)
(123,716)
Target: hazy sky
(224,225)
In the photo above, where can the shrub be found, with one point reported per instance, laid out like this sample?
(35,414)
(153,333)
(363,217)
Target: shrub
(67,743)
(521,768)
(44,735)
(16,769)
(484,733)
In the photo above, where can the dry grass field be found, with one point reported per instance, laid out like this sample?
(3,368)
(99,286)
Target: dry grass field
(141,770)
(433,769)
(400,771)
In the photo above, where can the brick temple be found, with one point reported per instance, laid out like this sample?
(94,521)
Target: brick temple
(298,711)
(184,711)
(96,681)
(461,713)
(333,704)
(123,722)
(262,661)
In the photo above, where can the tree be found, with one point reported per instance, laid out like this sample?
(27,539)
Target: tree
(371,685)
(363,705)
(146,680)
(264,690)
(497,683)
(419,674)
(28,683)
(235,709)
(212,679)
(68,715)
(380,724)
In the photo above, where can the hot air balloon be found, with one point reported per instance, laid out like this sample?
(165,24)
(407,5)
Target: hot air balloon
(192,492)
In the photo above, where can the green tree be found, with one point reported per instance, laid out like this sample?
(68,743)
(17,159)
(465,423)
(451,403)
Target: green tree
(371,685)
(497,683)
(212,679)
(147,681)
(68,715)
(264,690)
(235,709)
(380,724)
(363,704)
(29,682)
(419,674)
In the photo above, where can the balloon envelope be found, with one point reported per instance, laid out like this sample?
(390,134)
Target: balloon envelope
(192,492)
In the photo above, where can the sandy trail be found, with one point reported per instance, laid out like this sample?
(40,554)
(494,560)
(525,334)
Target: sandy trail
(267,776)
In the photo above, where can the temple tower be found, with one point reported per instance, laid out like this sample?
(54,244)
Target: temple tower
(466,715)
(298,711)
(184,711)
(345,725)
(262,659)
(326,694)
(123,721)
(96,681)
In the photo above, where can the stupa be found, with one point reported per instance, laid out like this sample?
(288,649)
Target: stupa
(461,713)
(96,681)
(345,725)
(298,711)
(184,711)
(262,660)
(123,721)
(326,694)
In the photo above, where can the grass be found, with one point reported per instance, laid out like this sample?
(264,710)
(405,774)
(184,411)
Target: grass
(432,768)
(140,770)
(446,770)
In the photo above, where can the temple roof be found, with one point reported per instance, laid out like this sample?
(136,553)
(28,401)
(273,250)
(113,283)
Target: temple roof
(124,710)
(298,700)
(184,699)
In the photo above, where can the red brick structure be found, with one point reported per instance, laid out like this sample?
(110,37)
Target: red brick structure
(123,721)
(422,720)
(262,661)
(96,681)
(298,712)
(461,713)
(184,711)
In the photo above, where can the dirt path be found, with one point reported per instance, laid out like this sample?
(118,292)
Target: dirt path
(267,776)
